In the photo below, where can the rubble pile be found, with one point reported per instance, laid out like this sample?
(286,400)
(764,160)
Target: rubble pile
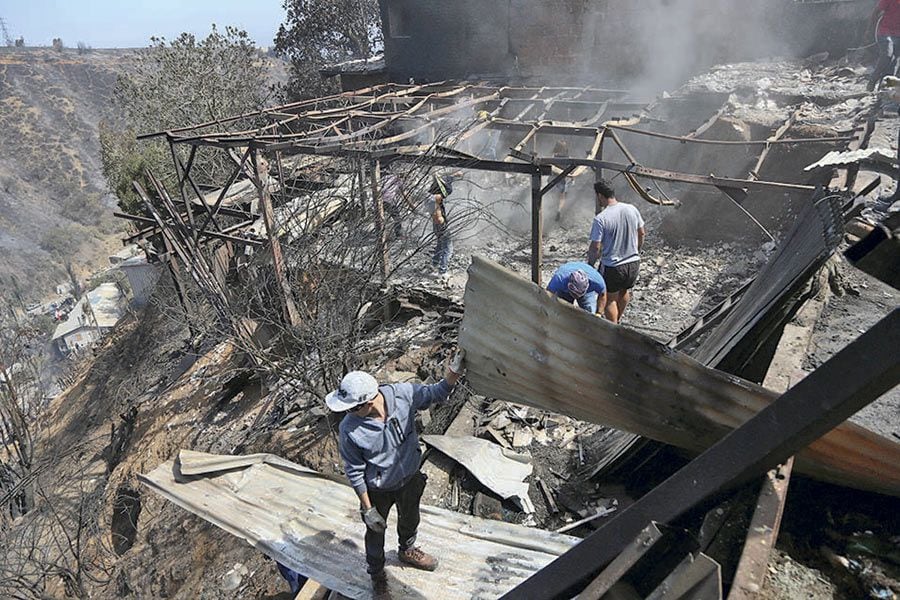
(570,475)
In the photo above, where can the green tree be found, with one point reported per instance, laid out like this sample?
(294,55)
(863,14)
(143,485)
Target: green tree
(173,84)
(320,32)
(123,160)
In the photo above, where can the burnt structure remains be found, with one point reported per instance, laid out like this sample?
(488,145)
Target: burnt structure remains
(491,88)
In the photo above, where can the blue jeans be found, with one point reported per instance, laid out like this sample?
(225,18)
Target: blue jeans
(443,250)
(587,302)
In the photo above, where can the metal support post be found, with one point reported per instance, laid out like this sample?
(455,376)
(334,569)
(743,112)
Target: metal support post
(537,228)
(268,214)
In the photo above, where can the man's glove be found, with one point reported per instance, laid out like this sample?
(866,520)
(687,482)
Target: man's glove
(458,362)
(373,519)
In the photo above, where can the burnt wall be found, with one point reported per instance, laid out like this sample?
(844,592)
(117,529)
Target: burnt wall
(441,39)
(596,42)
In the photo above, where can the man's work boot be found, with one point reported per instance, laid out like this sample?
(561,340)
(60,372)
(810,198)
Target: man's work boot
(380,589)
(415,557)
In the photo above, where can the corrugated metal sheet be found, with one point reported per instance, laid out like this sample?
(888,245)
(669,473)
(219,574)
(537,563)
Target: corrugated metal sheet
(500,470)
(142,278)
(838,158)
(311,524)
(523,345)
(765,306)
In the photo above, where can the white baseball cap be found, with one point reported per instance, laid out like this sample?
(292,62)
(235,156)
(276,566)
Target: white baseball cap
(357,387)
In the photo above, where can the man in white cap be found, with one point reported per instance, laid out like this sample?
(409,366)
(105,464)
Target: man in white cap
(380,447)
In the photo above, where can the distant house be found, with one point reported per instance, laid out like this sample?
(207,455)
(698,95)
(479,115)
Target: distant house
(124,254)
(358,74)
(142,277)
(93,316)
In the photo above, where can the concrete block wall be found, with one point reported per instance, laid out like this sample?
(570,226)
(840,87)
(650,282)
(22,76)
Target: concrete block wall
(441,39)
(604,41)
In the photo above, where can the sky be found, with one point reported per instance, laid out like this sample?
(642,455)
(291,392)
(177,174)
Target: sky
(131,23)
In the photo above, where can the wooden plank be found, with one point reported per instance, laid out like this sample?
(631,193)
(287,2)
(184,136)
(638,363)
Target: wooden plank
(548,496)
(848,381)
(687,576)
(265,202)
(779,133)
(312,590)
(525,346)
(622,563)
(709,122)
(384,259)
(786,370)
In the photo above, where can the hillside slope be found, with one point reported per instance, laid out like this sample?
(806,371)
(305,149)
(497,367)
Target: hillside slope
(53,201)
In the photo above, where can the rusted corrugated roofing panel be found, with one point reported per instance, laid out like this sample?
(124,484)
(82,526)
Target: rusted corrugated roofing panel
(312,525)
(523,345)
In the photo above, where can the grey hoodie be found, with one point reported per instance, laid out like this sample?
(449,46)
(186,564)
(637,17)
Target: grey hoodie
(382,455)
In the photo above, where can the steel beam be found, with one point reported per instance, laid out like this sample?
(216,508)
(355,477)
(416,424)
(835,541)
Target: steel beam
(850,380)
(537,229)
(661,174)
(622,563)
(696,140)
(562,175)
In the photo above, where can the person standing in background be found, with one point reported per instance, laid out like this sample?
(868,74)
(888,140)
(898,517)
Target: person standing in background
(887,17)
(617,235)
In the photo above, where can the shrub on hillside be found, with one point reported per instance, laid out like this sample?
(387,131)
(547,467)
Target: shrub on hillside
(61,242)
(220,74)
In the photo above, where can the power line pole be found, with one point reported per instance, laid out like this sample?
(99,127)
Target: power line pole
(6,37)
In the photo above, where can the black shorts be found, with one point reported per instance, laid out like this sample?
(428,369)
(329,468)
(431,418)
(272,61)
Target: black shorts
(621,277)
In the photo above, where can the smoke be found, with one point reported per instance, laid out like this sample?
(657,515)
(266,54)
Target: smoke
(676,39)
(654,45)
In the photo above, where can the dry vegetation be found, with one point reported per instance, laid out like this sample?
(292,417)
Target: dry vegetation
(53,200)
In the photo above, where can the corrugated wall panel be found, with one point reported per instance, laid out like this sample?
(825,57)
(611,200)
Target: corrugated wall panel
(526,346)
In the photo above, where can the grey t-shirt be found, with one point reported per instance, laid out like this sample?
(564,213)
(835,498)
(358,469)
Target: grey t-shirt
(616,228)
